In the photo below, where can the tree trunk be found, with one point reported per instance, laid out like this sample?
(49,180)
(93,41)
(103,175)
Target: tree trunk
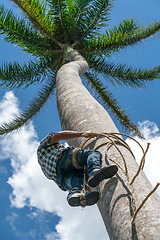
(78,110)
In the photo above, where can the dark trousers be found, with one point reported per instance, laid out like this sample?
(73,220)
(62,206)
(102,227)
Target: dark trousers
(71,178)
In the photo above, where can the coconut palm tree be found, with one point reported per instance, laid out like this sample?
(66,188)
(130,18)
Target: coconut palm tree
(47,28)
(67,39)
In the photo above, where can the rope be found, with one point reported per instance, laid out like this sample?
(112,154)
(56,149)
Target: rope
(141,205)
(83,191)
(115,140)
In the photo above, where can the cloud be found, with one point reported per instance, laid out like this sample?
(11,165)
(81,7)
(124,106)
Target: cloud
(11,219)
(52,236)
(152,163)
(3,170)
(10,103)
(32,189)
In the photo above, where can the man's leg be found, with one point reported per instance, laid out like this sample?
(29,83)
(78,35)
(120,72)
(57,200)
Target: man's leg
(73,181)
(89,158)
(92,159)
(72,160)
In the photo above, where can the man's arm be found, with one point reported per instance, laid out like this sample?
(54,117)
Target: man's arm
(66,135)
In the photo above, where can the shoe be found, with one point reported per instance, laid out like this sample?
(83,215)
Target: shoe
(83,200)
(97,175)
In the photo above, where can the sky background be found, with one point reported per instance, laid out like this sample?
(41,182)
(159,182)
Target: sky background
(33,207)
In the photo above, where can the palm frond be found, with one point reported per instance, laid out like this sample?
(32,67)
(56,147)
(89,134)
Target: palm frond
(57,9)
(36,11)
(93,17)
(121,73)
(19,32)
(49,27)
(34,107)
(108,101)
(126,34)
(65,14)
(81,5)
(16,75)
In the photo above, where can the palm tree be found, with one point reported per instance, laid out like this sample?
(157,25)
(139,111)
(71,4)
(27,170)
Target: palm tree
(55,33)
(45,32)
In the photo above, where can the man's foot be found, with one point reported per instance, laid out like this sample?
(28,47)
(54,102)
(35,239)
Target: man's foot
(83,200)
(97,175)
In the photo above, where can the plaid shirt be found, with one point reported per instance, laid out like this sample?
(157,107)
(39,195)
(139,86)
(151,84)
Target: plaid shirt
(48,155)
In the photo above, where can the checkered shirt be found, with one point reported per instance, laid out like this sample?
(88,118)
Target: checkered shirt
(48,155)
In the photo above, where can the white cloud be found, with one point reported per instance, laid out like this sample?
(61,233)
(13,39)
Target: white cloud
(30,187)
(52,236)
(11,219)
(152,162)
(3,170)
(10,103)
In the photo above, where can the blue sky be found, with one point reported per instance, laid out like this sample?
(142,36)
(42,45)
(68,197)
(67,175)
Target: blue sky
(32,207)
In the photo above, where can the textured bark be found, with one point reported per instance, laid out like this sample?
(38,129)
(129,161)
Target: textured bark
(78,110)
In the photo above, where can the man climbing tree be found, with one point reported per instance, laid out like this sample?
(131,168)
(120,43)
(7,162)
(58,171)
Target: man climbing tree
(66,41)
(65,167)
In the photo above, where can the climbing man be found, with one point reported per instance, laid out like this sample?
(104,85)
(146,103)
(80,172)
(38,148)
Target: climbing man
(65,166)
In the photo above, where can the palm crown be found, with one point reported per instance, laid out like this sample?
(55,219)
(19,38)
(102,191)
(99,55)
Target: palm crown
(48,28)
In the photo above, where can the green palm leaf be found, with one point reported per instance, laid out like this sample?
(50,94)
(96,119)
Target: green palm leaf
(46,31)
(58,10)
(16,75)
(75,19)
(126,34)
(81,5)
(36,11)
(121,73)
(92,17)
(33,108)
(19,32)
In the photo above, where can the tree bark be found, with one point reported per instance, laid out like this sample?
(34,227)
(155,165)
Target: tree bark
(79,111)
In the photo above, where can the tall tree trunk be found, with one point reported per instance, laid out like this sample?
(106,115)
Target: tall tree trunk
(78,110)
